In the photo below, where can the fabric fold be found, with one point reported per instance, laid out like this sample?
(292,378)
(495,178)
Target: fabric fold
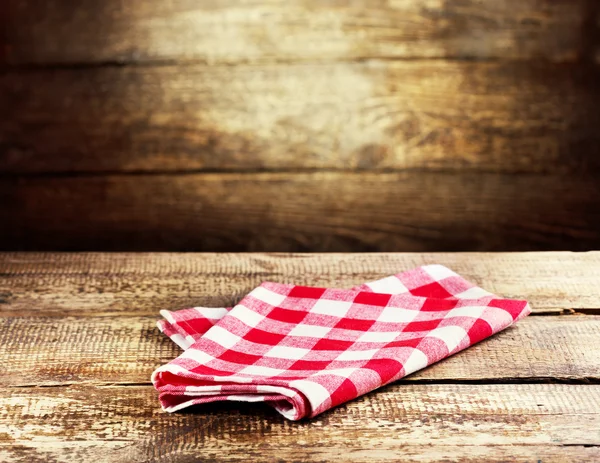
(305,350)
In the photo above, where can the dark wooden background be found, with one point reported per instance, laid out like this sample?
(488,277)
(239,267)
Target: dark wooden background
(300,125)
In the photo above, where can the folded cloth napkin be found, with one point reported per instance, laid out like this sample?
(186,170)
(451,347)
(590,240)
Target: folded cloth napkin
(305,350)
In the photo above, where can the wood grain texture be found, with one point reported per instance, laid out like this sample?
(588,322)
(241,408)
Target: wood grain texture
(61,31)
(413,422)
(101,351)
(139,284)
(327,211)
(77,343)
(380,115)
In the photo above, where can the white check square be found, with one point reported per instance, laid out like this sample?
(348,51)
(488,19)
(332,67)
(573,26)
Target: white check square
(451,335)
(198,356)
(473,293)
(285,352)
(211,313)
(261,371)
(439,272)
(222,337)
(265,295)
(247,316)
(473,311)
(389,285)
(397,315)
(378,336)
(309,331)
(357,355)
(416,361)
(343,372)
(333,308)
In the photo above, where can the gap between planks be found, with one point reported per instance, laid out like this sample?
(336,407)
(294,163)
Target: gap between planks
(183,63)
(325,212)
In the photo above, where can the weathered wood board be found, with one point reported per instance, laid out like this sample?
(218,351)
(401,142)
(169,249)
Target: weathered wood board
(329,211)
(141,284)
(41,32)
(427,115)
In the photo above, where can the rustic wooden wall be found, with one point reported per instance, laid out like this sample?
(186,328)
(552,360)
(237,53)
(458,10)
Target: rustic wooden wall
(300,125)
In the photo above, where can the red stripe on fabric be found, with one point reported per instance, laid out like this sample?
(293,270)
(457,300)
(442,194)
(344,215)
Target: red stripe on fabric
(315,365)
(346,391)
(427,325)
(306,292)
(387,369)
(434,290)
(239,357)
(514,308)
(479,331)
(208,371)
(438,305)
(332,344)
(263,337)
(376,299)
(413,342)
(286,315)
(354,324)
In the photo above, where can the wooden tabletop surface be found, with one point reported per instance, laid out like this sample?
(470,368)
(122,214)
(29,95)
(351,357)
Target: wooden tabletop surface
(78,343)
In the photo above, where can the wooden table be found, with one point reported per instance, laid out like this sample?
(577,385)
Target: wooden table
(78,343)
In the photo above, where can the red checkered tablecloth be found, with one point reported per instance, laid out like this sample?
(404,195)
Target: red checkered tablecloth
(304,349)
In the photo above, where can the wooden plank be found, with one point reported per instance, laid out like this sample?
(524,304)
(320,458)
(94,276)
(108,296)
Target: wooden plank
(96,284)
(413,422)
(231,31)
(431,115)
(60,351)
(327,211)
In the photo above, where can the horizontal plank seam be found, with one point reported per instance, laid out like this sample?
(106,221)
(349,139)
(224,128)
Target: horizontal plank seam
(585,380)
(580,445)
(590,311)
(11,445)
(18,175)
(274,62)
